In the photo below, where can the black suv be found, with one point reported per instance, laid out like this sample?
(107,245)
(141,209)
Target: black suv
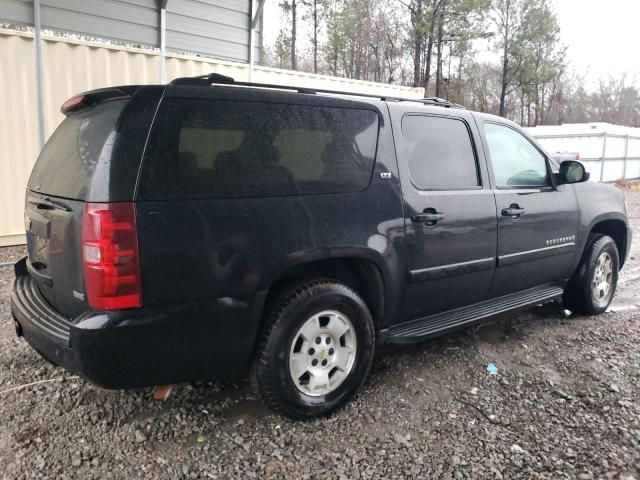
(207,228)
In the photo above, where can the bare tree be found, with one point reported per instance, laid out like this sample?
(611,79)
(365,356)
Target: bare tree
(399,41)
(290,8)
(315,12)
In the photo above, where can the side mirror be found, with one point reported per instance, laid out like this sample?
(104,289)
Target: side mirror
(572,171)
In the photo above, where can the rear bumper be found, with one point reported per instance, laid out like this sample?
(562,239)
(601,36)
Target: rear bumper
(141,347)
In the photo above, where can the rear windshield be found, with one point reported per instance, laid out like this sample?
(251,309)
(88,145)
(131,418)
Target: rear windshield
(67,162)
(226,149)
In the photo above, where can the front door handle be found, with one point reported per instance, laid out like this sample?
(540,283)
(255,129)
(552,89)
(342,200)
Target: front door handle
(428,218)
(514,211)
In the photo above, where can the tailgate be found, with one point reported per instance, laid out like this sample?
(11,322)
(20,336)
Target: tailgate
(54,247)
(54,204)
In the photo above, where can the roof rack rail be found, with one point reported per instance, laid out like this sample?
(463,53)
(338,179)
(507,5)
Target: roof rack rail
(437,101)
(218,79)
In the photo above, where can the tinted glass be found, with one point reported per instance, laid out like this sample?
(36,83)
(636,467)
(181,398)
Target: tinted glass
(223,149)
(516,162)
(68,160)
(439,153)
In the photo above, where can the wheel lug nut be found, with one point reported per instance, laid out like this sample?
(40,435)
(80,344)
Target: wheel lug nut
(311,351)
(331,351)
(328,340)
(314,362)
(324,362)
(318,340)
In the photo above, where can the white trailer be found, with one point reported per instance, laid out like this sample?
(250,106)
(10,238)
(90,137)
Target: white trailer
(609,152)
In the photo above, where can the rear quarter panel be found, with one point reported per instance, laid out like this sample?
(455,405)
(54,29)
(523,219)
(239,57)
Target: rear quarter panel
(116,174)
(232,250)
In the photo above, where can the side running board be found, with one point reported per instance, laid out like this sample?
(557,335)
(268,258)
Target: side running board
(437,324)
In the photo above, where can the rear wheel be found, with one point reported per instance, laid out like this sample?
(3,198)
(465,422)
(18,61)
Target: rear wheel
(593,286)
(316,351)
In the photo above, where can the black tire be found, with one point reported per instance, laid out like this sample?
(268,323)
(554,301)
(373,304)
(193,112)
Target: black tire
(578,295)
(270,370)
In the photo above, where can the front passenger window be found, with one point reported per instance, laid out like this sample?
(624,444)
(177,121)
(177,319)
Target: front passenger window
(516,162)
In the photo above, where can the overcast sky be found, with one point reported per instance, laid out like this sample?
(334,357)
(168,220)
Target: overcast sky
(603,36)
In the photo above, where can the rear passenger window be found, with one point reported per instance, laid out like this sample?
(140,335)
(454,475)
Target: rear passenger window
(226,149)
(439,153)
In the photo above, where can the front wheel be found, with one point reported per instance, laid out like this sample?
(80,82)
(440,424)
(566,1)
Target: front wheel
(593,286)
(316,351)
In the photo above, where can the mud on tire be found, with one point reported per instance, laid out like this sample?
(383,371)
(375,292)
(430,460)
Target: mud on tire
(292,310)
(594,283)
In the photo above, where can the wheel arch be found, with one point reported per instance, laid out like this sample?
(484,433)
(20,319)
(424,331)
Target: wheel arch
(359,272)
(364,270)
(615,228)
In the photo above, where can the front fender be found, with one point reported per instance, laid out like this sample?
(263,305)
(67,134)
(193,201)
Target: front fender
(599,202)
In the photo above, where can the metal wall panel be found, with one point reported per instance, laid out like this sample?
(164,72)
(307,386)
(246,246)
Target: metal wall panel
(607,157)
(123,20)
(18,132)
(215,28)
(134,21)
(17,11)
(73,66)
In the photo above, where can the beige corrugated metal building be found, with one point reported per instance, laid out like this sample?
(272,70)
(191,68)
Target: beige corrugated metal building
(72,66)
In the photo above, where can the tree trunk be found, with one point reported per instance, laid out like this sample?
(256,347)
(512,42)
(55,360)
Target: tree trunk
(439,49)
(540,107)
(416,15)
(460,69)
(427,68)
(315,36)
(448,91)
(504,84)
(294,61)
(503,88)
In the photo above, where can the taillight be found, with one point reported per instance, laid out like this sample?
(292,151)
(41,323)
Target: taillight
(111,259)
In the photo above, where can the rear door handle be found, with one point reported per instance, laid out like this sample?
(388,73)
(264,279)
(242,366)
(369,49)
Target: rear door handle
(514,211)
(428,218)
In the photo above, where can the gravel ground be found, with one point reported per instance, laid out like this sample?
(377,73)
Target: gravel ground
(563,405)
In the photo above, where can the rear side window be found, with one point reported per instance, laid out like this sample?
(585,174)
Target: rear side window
(68,160)
(439,153)
(227,149)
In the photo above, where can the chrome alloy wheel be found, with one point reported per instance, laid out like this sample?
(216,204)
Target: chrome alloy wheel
(322,353)
(602,278)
